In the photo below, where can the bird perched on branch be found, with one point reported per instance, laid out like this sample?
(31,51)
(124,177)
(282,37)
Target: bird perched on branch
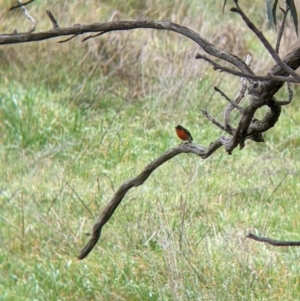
(183,134)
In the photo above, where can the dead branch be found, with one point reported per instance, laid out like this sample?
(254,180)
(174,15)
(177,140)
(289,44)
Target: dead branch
(20,4)
(271,117)
(127,25)
(80,199)
(52,19)
(110,208)
(253,130)
(92,36)
(261,93)
(230,131)
(289,100)
(102,28)
(281,29)
(273,242)
(68,39)
(234,105)
(246,75)
(264,41)
(240,95)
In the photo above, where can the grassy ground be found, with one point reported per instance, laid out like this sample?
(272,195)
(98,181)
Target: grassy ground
(77,119)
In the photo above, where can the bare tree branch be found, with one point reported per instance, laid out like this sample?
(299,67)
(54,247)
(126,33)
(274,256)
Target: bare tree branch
(230,131)
(273,242)
(234,105)
(271,117)
(281,29)
(240,95)
(80,199)
(52,19)
(19,5)
(92,36)
(264,41)
(261,93)
(139,180)
(127,25)
(289,100)
(68,39)
(103,28)
(246,75)
(249,127)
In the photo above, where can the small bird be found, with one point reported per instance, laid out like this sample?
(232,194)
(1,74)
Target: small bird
(183,134)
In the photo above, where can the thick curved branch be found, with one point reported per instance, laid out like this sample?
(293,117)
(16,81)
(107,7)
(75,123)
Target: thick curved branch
(139,180)
(102,28)
(269,120)
(262,93)
(248,127)
(271,117)
(127,25)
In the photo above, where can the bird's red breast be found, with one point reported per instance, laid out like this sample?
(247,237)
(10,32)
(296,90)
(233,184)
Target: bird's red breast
(183,133)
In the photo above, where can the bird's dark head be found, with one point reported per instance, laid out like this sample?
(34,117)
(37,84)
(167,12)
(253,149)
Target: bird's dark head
(179,127)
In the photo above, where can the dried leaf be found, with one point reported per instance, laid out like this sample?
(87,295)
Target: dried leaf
(270,13)
(292,7)
(274,11)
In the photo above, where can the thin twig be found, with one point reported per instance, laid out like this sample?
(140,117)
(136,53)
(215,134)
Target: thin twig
(240,95)
(213,120)
(273,242)
(19,5)
(277,186)
(111,182)
(246,75)
(240,109)
(28,16)
(93,36)
(55,198)
(52,19)
(80,199)
(68,39)
(216,123)
(281,29)
(264,41)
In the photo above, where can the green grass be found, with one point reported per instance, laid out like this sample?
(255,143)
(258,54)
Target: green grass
(72,131)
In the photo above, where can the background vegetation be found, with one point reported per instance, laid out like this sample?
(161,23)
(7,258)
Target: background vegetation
(77,119)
